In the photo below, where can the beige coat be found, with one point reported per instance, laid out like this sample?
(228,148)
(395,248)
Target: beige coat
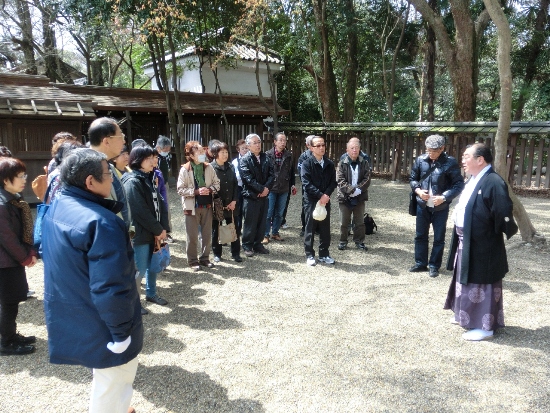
(186,184)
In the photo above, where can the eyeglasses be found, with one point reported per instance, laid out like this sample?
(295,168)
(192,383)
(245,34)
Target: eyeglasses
(321,145)
(123,136)
(24,176)
(110,173)
(434,150)
(466,157)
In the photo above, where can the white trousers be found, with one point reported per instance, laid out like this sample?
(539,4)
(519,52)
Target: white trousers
(112,388)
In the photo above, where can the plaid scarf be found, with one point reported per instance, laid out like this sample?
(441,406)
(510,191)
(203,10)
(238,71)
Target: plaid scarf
(278,157)
(26,216)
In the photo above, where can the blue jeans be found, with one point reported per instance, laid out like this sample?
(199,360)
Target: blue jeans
(438,220)
(142,257)
(275,211)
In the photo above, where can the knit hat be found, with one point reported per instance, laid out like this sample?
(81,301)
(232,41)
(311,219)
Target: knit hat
(435,141)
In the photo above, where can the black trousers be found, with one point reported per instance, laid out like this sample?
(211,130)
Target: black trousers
(312,225)
(8,326)
(217,247)
(13,290)
(254,217)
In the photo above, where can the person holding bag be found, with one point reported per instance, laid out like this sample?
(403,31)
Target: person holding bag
(16,253)
(197,184)
(149,215)
(229,194)
(436,180)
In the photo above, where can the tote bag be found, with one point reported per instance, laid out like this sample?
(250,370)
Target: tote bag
(161,257)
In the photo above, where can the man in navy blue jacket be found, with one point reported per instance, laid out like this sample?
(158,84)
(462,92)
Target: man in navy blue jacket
(90,297)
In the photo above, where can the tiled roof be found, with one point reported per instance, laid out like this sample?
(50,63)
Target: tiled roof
(22,95)
(141,100)
(242,49)
(35,95)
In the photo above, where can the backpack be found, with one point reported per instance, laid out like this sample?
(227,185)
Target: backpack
(370,225)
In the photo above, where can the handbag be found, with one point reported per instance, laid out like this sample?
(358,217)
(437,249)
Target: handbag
(413,202)
(161,257)
(217,208)
(369,224)
(227,233)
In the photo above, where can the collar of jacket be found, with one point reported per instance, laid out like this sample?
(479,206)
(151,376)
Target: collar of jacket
(348,160)
(439,161)
(112,205)
(6,196)
(271,152)
(223,167)
(136,173)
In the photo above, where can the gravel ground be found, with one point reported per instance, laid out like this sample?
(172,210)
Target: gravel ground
(273,335)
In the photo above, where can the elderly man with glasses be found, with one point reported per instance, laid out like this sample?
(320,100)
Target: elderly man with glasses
(436,180)
(106,137)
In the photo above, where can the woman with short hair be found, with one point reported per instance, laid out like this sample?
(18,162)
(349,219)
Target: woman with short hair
(16,253)
(229,195)
(149,215)
(197,183)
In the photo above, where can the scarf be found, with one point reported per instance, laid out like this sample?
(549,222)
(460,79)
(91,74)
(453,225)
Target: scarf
(26,216)
(198,172)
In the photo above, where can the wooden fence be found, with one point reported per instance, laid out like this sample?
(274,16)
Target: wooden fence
(393,147)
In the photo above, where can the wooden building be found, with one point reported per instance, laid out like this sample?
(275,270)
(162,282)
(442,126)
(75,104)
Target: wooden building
(33,110)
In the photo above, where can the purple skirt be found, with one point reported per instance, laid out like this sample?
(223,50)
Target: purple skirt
(475,305)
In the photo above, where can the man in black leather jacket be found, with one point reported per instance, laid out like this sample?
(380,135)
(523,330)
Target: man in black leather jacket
(256,172)
(436,179)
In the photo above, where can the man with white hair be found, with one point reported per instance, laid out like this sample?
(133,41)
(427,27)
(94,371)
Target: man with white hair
(256,172)
(436,180)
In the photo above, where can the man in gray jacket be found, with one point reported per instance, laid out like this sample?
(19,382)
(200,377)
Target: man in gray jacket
(353,178)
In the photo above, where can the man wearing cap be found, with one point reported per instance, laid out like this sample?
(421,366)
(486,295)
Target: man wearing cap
(436,180)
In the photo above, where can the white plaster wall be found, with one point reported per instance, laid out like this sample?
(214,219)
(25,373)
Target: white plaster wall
(239,81)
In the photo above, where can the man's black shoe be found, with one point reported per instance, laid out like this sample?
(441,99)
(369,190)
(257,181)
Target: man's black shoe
(237,258)
(434,272)
(361,246)
(418,268)
(342,245)
(16,349)
(302,233)
(19,339)
(261,250)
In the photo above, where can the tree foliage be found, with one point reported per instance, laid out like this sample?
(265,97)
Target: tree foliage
(344,60)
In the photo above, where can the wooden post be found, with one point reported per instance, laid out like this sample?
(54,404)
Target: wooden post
(129,137)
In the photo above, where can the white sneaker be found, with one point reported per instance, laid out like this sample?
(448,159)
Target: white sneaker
(311,261)
(326,260)
(284,226)
(453,321)
(30,293)
(477,334)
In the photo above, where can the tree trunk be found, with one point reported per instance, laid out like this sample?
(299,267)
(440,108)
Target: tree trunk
(534,48)
(352,64)
(459,55)
(430,67)
(393,63)
(96,64)
(179,114)
(327,90)
(528,232)
(26,42)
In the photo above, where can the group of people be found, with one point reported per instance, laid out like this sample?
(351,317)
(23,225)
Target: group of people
(110,210)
